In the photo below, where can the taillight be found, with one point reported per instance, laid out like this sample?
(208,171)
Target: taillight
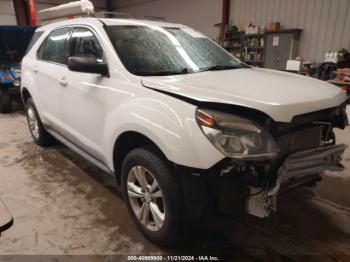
(344,88)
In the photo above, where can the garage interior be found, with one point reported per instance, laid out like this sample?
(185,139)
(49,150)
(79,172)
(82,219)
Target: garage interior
(63,205)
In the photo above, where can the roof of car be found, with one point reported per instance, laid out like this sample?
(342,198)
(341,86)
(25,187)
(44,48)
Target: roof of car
(108,21)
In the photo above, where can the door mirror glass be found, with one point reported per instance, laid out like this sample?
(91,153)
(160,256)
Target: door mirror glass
(87,65)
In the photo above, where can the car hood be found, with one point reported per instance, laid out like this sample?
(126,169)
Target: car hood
(278,94)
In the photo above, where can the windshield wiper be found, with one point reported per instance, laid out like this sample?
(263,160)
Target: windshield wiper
(163,72)
(220,67)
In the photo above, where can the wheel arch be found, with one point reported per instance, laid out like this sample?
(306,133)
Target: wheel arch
(25,94)
(128,141)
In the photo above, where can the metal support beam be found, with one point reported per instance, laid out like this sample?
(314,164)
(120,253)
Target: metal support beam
(225,14)
(224,19)
(20,7)
(32,13)
(109,7)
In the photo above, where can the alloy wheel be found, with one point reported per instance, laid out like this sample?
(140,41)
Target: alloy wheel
(146,198)
(33,122)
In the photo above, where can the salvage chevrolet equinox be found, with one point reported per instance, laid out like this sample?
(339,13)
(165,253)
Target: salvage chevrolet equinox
(184,127)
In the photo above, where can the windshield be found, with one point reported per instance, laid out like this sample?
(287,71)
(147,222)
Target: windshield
(154,50)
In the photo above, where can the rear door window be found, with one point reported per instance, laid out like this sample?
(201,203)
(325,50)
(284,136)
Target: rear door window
(54,48)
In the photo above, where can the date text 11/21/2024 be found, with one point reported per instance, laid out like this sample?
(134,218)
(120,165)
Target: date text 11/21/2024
(173,258)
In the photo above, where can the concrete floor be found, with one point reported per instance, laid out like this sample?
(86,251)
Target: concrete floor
(62,205)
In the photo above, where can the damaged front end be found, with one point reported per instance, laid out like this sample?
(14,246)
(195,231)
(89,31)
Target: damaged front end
(299,168)
(273,157)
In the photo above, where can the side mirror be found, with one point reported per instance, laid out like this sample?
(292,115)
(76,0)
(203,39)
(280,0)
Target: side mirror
(87,65)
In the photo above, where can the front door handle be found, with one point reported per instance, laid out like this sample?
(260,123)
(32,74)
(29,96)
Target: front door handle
(35,70)
(63,82)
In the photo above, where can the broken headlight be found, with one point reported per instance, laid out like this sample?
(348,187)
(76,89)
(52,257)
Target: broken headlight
(237,137)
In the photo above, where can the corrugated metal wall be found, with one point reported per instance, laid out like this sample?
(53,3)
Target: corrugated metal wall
(127,3)
(325,23)
(199,14)
(7,13)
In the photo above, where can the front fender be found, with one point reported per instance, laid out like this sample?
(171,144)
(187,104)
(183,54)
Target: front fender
(170,123)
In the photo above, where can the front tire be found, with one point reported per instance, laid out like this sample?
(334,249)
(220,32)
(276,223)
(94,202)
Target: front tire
(36,128)
(5,100)
(152,196)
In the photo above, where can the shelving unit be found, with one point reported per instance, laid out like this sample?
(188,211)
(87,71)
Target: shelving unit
(235,43)
(261,50)
(249,48)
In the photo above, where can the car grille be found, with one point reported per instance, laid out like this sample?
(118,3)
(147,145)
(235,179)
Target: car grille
(301,139)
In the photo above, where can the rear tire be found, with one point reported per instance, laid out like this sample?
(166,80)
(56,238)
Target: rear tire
(36,128)
(5,100)
(167,208)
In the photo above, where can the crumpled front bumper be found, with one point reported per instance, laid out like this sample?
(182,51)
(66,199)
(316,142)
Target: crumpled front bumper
(297,169)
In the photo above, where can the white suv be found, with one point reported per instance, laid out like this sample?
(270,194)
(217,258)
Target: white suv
(181,123)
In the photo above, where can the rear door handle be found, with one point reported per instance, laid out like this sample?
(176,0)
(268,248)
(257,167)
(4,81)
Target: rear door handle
(35,70)
(63,82)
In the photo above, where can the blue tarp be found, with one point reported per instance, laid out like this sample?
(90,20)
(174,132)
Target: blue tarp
(14,41)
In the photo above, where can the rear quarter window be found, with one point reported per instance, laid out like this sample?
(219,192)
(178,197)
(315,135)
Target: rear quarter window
(54,48)
(34,39)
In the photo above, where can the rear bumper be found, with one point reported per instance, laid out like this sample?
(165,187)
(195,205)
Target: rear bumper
(297,169)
